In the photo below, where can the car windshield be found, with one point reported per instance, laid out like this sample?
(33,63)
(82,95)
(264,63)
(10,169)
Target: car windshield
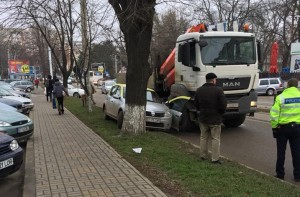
(222,51)
(6,86)
(4,92)
(110,83)
(153,97)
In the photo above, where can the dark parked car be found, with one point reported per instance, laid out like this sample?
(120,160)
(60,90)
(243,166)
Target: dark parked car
(24,84)
(181,120)
(11,155)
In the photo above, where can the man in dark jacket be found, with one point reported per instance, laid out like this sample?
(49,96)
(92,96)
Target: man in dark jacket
(59,95)
(211,103)
(49,88)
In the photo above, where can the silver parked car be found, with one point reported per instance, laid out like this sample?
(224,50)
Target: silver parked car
(106,86)
(24,84)
(270,86)
(158,115)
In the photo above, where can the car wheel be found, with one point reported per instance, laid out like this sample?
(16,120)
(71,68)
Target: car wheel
(28,89)
(106,117)
(120,119)
(270,92)
(76,94)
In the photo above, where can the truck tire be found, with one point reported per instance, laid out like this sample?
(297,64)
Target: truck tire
(234,120)
(185,123)
(120,119)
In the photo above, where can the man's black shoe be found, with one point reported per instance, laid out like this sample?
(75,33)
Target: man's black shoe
(279,177)
(297,179)
(203,158)
(217,162)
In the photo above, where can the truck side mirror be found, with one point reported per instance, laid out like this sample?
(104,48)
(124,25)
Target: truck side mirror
(259,55)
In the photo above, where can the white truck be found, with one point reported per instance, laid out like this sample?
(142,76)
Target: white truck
(96,77)
(232,56)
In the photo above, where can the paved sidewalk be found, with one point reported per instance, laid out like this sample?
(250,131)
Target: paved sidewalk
(66,158)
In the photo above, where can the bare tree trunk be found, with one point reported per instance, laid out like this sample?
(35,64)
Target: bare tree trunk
(136,22)
(134,119)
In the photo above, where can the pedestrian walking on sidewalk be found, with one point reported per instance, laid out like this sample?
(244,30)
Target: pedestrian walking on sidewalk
(285,123)
(58,93)
(211,104)
(36,82)
(49,88)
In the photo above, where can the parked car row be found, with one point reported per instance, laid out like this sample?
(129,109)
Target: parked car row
(15,125)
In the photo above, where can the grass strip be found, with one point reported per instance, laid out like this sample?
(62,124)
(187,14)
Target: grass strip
(174,165)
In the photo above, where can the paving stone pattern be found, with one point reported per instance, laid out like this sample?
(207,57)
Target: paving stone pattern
(71,160)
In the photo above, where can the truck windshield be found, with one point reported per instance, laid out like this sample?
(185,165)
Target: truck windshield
(228,51)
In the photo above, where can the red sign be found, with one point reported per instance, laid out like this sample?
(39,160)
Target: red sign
(15,66)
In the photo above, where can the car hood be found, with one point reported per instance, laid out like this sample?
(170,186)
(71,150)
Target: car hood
(152,106)
(17,98)
(11,116)
(10,101)
(7,107)
(19,93)
(4,138)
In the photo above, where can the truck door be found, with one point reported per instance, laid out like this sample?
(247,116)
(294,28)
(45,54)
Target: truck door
(187,68)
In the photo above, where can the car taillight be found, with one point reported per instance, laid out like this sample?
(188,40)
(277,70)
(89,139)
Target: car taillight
(280,85)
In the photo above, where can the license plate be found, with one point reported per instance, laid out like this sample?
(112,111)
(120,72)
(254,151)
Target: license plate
(153,120)
(232,105)
(23,129)
(6,163)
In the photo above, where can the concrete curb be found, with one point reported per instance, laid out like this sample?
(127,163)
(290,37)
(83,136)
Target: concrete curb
(29,189)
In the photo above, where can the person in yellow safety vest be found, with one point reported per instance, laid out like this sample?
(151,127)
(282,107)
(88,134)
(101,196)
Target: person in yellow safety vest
(285,122)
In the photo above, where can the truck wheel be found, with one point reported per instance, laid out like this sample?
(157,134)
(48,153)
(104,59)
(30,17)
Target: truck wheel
(120,119)
(270,92)
(234,120)
(106,117)
(185,123)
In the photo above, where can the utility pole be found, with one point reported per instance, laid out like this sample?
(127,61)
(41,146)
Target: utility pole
(85,47)
(50,61)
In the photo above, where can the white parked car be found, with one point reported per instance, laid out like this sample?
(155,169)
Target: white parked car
(106,86)
(158,115)
(76,92)
(27,103)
